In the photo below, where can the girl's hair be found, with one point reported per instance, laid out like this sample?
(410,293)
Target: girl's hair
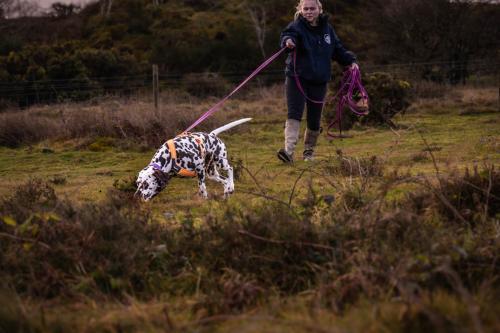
(301,3)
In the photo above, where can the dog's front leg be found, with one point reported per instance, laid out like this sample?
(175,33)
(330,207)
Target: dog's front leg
(201,183)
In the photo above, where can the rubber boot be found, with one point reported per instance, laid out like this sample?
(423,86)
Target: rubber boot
(292,128)
(310,139)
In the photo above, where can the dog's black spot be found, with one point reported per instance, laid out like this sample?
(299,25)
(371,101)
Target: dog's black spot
(161,160)
(217,150)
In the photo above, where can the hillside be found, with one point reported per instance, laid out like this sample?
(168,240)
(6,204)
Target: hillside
(40,30)
(230,37)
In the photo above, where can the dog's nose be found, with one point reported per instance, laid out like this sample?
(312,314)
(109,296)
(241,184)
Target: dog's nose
(137,194)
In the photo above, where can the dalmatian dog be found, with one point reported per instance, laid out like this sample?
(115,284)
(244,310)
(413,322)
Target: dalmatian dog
(197,154)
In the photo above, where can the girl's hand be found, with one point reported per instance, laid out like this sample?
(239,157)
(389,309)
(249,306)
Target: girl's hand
(289,43)
(354,66)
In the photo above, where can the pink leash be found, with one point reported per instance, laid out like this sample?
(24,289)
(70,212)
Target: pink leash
(297,81)
(219,104)
(350,83)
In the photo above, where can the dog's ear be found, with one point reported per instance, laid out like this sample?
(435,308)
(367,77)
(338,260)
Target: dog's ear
(161,177)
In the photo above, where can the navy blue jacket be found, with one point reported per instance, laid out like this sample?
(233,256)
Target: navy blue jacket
(316,48)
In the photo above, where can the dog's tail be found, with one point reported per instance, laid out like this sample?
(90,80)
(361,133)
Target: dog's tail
(230,125)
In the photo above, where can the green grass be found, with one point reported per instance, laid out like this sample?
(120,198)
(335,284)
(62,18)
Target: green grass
(456,140)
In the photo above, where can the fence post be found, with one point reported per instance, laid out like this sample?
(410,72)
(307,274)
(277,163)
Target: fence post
(156,87)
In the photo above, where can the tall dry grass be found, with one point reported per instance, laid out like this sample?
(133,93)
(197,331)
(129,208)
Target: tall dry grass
(137,120)
(433,96)
(130,119)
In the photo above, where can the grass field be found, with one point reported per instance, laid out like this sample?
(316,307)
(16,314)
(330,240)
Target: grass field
(436,139)
(460,132)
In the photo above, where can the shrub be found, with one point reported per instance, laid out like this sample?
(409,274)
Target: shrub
(67,71)
(238,257)
(472,196)
(57,249)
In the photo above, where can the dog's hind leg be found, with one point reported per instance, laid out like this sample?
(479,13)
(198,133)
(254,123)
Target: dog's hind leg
(229,181)
(213,174)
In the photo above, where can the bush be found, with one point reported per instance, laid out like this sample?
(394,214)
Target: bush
(67,71)
(52,248)
(471,197)
(57,249)
(388,97)
(359,247)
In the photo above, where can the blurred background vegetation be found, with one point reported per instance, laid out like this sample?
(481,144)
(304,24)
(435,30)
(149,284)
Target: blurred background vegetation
(71,52)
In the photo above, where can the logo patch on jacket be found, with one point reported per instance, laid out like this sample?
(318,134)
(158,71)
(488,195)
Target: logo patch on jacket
(327,39)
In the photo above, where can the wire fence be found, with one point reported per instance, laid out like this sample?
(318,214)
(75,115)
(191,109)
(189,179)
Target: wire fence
(52,90)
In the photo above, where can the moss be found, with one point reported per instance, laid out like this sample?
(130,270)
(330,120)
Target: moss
(101,144)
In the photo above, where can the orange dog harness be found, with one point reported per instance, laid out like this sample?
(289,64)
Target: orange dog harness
(173,154)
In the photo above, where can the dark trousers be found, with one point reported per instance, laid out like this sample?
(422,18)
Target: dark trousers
(296,101)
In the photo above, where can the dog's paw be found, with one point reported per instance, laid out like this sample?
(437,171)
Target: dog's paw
(228,193)
(202,191)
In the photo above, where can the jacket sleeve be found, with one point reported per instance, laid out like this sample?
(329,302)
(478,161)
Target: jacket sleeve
(340,54)
(290,32)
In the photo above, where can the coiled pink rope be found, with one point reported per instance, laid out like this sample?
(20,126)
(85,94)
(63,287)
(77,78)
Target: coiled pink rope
(349,85)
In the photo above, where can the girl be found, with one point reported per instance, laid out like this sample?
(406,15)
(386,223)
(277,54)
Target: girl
(313,44)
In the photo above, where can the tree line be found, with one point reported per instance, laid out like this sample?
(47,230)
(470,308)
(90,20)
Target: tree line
(109,38)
